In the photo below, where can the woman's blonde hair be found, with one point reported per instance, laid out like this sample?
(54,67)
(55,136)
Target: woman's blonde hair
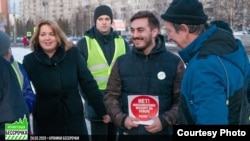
(60,35)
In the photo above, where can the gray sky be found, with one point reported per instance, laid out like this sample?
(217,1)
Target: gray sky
(13,7)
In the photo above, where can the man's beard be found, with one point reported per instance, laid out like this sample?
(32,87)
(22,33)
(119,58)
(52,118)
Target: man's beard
(148,43)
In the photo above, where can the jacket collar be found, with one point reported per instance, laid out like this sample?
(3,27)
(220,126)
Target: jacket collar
(44,58)
(187,53)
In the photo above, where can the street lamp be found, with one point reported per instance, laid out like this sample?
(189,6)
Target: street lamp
(14,17)
(45,5)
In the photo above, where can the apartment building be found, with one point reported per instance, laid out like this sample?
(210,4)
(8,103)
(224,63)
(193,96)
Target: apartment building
(80,12)
(47,9)
(36,10)
(3,14)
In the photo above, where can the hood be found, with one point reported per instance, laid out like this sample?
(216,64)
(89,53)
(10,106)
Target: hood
(226,46)
(240,57)
(216,41)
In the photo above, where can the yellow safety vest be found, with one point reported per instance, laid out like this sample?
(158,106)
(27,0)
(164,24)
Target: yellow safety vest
(18,73)
(97,62)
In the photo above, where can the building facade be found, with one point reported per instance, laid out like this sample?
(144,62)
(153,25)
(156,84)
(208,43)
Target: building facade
(79,13)
(36,10)
(4,14)
(235,12)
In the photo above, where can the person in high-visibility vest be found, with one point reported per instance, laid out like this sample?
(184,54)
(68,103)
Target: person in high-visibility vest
(24,83)
(101,46)
(12,102)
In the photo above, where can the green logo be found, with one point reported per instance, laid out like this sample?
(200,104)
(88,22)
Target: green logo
(17,130)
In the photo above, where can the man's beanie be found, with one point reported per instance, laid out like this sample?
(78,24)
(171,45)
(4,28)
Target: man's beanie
(188,12)
(223,25)
(4,43)
(103,10)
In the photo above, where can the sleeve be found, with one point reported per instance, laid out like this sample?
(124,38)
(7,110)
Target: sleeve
(112,97)
(248,88)
(28,92)
(89,86)
(208,92)
(169,118)
(1,83)
(82,45)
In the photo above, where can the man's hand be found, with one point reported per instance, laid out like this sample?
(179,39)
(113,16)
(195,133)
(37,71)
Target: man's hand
(106,119)
(129,122)
(155,127)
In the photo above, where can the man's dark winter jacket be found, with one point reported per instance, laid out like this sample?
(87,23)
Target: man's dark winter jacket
(137,74)
(214,84)
(12,102)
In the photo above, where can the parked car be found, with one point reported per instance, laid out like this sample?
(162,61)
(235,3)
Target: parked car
(74,40)
(128,39)
(171,44)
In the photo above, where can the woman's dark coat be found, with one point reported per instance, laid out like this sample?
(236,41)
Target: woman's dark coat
(59,108)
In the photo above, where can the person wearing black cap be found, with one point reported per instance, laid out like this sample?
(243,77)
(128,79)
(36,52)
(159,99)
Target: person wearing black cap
(100,46)
(20,72)
(12,102)
(214,84)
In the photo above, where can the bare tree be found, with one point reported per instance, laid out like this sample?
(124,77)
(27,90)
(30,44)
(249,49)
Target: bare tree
(64,24)
(30,26)
(80,21)
(231,11)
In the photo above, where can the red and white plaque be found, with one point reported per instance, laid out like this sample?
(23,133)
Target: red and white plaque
(143,107)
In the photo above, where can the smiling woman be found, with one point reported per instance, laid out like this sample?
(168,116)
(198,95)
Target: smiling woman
(19,53)
(54,60)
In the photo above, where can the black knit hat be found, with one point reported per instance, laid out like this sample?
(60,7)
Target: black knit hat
(4,43)
(103,10)
(188,12)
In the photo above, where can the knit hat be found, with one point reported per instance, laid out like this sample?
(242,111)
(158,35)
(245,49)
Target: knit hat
(4,43)
(188,12)
(103,10)
(223,25)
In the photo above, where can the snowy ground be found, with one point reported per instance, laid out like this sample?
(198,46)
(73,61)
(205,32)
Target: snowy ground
(19,53)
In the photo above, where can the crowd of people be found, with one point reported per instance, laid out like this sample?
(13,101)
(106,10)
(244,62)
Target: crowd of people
(138,91)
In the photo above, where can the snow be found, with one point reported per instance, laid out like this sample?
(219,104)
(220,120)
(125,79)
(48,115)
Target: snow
(20,52)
